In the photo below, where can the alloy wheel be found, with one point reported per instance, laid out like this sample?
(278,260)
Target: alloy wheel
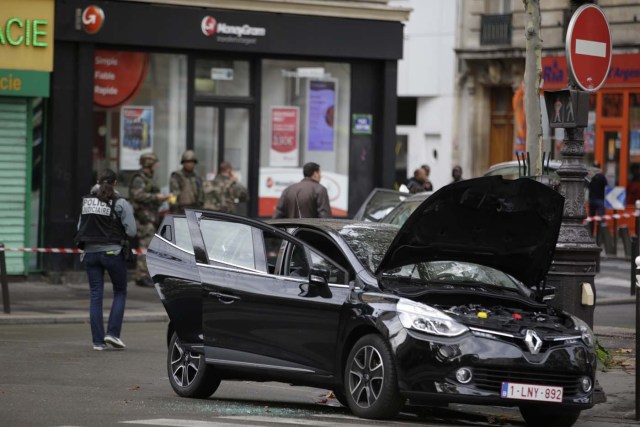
(184,365)
(366,376)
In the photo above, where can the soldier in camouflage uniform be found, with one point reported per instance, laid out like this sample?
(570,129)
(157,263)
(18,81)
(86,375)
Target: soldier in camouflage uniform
(186,185)
(224,192)
(146,198)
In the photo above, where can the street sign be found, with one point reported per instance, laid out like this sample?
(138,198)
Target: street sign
(588,47)
(615,197)
(567,108)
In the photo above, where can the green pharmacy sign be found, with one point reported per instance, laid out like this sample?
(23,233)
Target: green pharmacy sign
(24,83)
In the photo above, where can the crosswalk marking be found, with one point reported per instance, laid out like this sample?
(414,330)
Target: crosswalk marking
(167,422)
(260,420)
(279,420)
(612,281)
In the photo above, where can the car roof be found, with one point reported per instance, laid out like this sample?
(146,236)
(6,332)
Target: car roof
(418,196)
(553,164)
(329,225)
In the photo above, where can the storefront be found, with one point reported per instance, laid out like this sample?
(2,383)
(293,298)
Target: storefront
(26,60)
(266,92)
(612,138)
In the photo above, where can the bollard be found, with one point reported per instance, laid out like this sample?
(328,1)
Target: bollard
(6,304)
(604,237)
(634,255)
(625,237)
(637,341)
(637,217)
(614,234)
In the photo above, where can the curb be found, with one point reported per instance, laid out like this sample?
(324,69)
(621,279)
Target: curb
(38,319)
(617,301)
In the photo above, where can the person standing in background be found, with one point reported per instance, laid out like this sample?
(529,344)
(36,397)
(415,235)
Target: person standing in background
(146,199)
(428,186)
(456,174)
(224,192)
(106,223)
(416,184)
(305,199)
(186,185)
(597,187)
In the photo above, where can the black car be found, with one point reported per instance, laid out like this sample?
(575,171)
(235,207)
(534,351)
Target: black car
(447,308)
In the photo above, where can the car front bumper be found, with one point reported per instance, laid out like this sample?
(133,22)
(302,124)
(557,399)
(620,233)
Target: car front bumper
(427,368)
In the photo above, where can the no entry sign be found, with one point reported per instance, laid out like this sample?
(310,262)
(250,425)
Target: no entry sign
(588,47)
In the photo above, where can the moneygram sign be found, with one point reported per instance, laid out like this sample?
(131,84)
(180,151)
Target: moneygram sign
(226,33)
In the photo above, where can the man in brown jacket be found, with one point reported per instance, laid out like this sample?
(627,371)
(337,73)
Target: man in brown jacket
(305,199)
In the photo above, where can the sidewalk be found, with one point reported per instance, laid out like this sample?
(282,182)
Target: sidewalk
(39,302)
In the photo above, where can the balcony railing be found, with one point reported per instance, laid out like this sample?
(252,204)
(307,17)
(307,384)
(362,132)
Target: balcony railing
(495,30)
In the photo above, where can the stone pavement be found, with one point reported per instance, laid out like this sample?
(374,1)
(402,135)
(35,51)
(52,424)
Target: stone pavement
(37,301)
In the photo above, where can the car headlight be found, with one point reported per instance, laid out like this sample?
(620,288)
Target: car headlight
(426,319)
(585,330)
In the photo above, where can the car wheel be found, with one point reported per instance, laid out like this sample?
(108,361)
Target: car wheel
(541,416)
(371,380)
(189,374)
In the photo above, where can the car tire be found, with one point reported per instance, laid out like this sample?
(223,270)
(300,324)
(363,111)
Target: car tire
(544,416)
(189,374)
(371,382)
(341,397)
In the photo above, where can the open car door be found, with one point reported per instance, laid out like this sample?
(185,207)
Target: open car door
(257,280)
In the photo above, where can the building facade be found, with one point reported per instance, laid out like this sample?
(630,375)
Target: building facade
(26,62)
(265,85)
(491,51)
(426,90)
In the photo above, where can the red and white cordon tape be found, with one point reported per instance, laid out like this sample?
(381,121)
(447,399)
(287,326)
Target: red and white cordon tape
(61,250)
(598,218)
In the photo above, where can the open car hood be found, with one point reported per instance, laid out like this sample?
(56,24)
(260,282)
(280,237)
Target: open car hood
(510,225)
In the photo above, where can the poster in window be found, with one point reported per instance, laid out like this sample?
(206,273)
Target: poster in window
(321,115)
(136,135)
(285,125)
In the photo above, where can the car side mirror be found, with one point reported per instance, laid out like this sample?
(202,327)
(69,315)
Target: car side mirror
(319,280)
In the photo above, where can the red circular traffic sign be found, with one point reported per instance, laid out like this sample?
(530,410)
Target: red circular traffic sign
(588,47)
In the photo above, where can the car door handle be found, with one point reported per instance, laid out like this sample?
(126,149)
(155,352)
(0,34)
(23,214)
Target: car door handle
(224,298)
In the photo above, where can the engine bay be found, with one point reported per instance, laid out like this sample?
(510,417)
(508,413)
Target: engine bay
(505,319)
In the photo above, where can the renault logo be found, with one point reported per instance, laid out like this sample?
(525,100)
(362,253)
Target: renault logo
(533,341)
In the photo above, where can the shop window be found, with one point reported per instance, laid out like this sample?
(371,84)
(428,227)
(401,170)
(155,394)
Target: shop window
(305,118)
(612,105)
(407,111)
(140,106)
(633,187)
(215,77)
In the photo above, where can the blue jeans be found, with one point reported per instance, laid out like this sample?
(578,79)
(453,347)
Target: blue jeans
(95,263)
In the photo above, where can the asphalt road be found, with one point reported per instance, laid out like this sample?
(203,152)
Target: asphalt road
(614,282)
(50,376)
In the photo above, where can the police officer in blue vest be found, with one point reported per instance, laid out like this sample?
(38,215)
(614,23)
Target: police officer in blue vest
(106,223)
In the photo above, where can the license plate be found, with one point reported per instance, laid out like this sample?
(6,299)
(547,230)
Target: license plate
(540,393)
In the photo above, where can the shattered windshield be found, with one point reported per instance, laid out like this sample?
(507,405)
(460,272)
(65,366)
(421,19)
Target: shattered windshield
(369,243)
(454,272)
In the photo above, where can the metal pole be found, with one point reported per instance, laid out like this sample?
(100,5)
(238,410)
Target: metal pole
(637,346)
(6,304)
